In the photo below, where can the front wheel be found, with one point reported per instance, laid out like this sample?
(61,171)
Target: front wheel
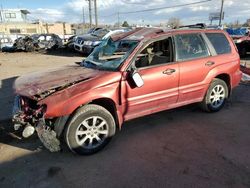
(216,96)
(90,129)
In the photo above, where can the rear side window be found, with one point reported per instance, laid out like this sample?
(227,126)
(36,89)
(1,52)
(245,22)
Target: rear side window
(219,42)
(190,46)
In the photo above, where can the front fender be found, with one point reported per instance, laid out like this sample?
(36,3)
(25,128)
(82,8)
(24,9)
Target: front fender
(66,102)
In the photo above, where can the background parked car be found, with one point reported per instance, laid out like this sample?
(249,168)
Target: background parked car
(5,42)
(70,42)
(86,43)
(48,41)
(92,30)
(36,42)
(25,44)
(241,37)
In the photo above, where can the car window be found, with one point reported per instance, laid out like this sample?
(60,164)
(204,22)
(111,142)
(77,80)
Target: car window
(48,38)
(219,42)
(100,33)
(156,53)
(109,55)
(41,38)
(190,46)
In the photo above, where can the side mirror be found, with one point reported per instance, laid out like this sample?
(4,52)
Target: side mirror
(137,79)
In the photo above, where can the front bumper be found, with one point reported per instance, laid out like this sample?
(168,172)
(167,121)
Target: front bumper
(84,48)
(29,120)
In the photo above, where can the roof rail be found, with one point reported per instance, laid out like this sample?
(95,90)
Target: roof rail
(198,26)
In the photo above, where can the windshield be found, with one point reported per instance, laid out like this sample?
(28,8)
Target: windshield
(100,33)
(109,55)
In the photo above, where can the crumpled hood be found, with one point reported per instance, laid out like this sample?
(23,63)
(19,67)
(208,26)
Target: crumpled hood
(50,81)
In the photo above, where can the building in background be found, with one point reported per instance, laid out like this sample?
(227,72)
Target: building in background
(13,15)
(79,29)
(59,28)
(15,22)
(24,28)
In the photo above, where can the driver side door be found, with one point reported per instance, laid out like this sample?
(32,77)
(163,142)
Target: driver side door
(161,80)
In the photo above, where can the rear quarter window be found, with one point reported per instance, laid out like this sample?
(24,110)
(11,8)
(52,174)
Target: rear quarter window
(219,42)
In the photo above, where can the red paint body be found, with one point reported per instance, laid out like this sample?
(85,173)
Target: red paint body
(160,91)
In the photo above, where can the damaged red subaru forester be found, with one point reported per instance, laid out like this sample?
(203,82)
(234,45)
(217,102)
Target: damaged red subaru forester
(127,76)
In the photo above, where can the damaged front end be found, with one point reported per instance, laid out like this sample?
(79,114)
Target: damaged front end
(29,116)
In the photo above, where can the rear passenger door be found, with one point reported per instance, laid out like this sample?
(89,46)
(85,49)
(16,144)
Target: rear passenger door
(195,62)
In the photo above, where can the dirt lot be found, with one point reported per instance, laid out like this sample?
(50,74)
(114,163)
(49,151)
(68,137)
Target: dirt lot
(178,148)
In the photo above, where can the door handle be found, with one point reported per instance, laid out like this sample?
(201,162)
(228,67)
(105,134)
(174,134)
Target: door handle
(169,71)
(209,63)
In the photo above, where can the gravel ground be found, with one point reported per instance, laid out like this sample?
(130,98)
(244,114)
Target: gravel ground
(184,147)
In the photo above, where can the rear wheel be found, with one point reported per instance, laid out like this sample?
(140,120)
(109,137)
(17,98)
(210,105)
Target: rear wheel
(216,96)
(90,129)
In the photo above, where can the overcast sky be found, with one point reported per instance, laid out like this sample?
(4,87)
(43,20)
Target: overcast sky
(71,10)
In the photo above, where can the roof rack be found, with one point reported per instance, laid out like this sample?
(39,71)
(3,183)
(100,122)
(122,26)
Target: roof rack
(197,26)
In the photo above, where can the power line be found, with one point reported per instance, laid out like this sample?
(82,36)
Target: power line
(132,3)
(166,7)
(159,8)
(114,14)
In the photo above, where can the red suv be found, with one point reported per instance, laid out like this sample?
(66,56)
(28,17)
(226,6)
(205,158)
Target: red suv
(127,76)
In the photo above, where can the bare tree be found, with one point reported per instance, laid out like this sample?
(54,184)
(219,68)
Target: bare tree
(174,22)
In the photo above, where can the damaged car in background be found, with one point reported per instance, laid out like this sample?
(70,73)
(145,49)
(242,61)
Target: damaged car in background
(127,76)
(241,38)
(36,42)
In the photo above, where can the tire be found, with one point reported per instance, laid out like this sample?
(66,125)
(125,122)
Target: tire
(89,130)
(216,96)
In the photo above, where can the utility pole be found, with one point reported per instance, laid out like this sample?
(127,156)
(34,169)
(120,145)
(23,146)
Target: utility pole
(47,28)
(90,13)
(221,12)
(118,19)
(83,16)
(1,13)
(96,17)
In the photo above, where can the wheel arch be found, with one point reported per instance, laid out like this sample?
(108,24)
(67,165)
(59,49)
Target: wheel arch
(109,105)
(226,78)
(106,103)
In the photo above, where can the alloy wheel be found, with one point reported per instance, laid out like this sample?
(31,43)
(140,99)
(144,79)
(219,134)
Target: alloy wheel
(217,96)
(92,132)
